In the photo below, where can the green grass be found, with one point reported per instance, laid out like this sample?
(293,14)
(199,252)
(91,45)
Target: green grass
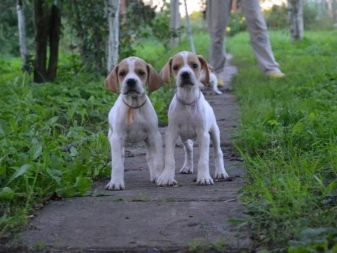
(288,140)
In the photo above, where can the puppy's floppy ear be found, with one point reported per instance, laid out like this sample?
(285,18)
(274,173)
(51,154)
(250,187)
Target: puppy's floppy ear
(111,82)
(204,66)
(154,80)
(165,72)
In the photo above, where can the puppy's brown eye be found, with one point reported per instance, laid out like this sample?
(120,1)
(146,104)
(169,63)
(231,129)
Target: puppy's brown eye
(194,65)
(175,67)
(122,73)
(141,73)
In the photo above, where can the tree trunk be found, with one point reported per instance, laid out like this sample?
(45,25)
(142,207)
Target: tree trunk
(189,29)
(54,38)
(334,11)
(122,12)
(295,14)
(47,24)
(22,35)
(81,33)
(113,19)
(175,23)
(41,40)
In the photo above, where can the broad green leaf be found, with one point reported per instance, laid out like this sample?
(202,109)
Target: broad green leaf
(53,120)
(55,175)
(36,150)
(19,172)
(7,194)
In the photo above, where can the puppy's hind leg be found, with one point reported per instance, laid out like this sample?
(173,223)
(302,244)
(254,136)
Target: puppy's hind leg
(188,163)
(220,172)
(154,155)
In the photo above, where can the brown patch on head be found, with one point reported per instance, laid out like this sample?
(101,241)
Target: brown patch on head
(140,68)
(177,64)
(195,64)
(123,70)
(117,75)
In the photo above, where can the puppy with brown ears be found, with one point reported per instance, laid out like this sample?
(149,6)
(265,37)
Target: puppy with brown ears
(190,117)
(133,118)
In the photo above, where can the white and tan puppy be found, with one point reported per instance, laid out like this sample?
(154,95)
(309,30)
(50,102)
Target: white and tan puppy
(190,117)
(133,118)
(212,82)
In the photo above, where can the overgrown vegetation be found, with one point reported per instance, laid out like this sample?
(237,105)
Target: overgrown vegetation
(288,141)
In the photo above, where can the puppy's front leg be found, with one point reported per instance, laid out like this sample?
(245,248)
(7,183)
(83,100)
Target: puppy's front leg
(117,163)
(154,155)
(167,176)
(203,176)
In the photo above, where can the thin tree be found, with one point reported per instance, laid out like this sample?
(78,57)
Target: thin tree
(113,43)
(22,35)
(295,14)
(189,29)
(47,24)
(174,23)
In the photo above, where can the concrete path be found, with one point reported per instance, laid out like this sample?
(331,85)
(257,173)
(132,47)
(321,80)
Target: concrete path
(147,218)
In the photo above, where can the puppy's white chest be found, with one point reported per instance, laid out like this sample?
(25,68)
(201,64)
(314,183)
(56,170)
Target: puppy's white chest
(187,131)
(188,124)
(136,132)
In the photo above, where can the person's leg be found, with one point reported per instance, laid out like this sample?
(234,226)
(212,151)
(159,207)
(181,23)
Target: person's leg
(259,37)
(217,16)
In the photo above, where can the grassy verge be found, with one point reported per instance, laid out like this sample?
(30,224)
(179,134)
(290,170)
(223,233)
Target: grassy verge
(288,140)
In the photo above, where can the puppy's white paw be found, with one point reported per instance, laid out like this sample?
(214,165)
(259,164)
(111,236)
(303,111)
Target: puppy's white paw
(154,178)
(186,169)
(115,186)
(221,174)
(166,180)
(205,180)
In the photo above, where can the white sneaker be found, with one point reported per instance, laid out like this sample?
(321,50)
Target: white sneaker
(275,74)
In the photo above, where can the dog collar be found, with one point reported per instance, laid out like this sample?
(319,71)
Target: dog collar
(188,104)
(134,107)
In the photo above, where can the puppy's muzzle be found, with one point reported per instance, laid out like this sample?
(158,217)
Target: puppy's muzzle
(131,86)
(185,78)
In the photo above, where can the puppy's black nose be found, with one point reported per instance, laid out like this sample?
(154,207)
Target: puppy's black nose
(131,82)
(185,75)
